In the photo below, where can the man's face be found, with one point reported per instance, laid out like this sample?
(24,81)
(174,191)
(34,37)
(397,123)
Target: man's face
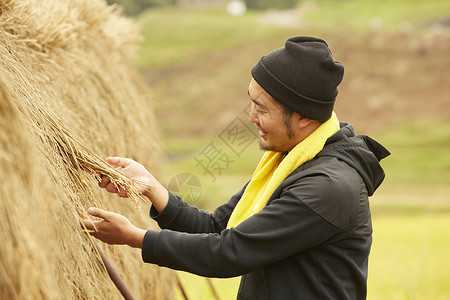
(275,127)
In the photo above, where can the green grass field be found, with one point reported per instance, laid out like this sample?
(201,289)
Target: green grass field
(186,55)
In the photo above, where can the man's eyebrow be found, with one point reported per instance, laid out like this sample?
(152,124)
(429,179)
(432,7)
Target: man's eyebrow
(258,103)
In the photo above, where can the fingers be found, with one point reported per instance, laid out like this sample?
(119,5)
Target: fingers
(93,226)
(118,161)
(111,187)
(100,213)
(113,228)
(104,181)
(90,226)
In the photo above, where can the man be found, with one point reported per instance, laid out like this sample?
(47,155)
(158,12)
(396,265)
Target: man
(301,228)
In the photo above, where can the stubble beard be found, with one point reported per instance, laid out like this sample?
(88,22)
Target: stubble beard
(261,145)
(289,134)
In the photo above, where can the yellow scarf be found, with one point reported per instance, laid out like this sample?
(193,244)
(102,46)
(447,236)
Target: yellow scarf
(272,170)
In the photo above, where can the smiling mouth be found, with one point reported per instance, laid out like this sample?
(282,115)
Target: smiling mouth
(262,133)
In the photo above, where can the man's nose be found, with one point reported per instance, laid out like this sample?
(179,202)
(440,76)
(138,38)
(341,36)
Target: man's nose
(253,116)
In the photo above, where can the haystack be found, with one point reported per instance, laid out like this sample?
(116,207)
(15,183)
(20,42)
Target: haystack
(69,96)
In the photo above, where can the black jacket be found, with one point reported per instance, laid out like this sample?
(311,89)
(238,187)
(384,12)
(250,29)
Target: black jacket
(311,241)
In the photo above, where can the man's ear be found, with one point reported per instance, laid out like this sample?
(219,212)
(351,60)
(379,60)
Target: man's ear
(301,121)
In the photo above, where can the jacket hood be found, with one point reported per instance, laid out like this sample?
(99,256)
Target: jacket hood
(360,152)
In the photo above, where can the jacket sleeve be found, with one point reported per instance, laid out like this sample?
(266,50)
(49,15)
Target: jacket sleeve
(285,226)
(180,216)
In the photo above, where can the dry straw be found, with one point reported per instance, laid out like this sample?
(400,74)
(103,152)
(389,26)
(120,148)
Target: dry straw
(69,96)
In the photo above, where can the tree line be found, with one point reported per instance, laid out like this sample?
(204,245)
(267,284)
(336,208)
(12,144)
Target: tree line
(134,7)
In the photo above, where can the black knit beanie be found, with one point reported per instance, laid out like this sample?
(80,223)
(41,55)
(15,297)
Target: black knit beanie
(302,75)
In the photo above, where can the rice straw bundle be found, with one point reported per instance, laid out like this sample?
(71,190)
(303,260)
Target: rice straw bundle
(69,95)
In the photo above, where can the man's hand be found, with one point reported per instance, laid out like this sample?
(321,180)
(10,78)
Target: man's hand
(114,228)
(150,187)
(129,168)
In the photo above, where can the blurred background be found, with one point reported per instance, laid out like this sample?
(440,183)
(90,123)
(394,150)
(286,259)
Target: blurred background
(196,56)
